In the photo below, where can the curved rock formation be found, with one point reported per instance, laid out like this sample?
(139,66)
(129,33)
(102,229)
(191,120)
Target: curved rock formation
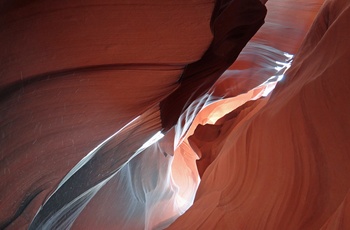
(84,86)
(285,166)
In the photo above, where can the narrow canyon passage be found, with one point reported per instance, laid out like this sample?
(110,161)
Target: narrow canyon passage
(137,115)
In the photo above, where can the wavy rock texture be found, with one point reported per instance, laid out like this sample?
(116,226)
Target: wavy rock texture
(287,165)
(73,74)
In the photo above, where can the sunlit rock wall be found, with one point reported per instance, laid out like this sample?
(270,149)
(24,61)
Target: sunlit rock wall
(72,74)
(261,161)
(283,162)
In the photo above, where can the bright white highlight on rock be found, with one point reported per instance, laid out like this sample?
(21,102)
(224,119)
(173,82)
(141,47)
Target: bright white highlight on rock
(159,135)
(89,156)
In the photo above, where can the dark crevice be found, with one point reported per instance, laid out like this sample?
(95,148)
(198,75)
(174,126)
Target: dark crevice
(24,204)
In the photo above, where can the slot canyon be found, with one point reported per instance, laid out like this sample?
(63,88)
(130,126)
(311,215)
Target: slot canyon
(174,114)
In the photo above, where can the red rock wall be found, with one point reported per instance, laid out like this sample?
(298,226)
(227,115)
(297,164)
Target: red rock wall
(72,75)
(286,166)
